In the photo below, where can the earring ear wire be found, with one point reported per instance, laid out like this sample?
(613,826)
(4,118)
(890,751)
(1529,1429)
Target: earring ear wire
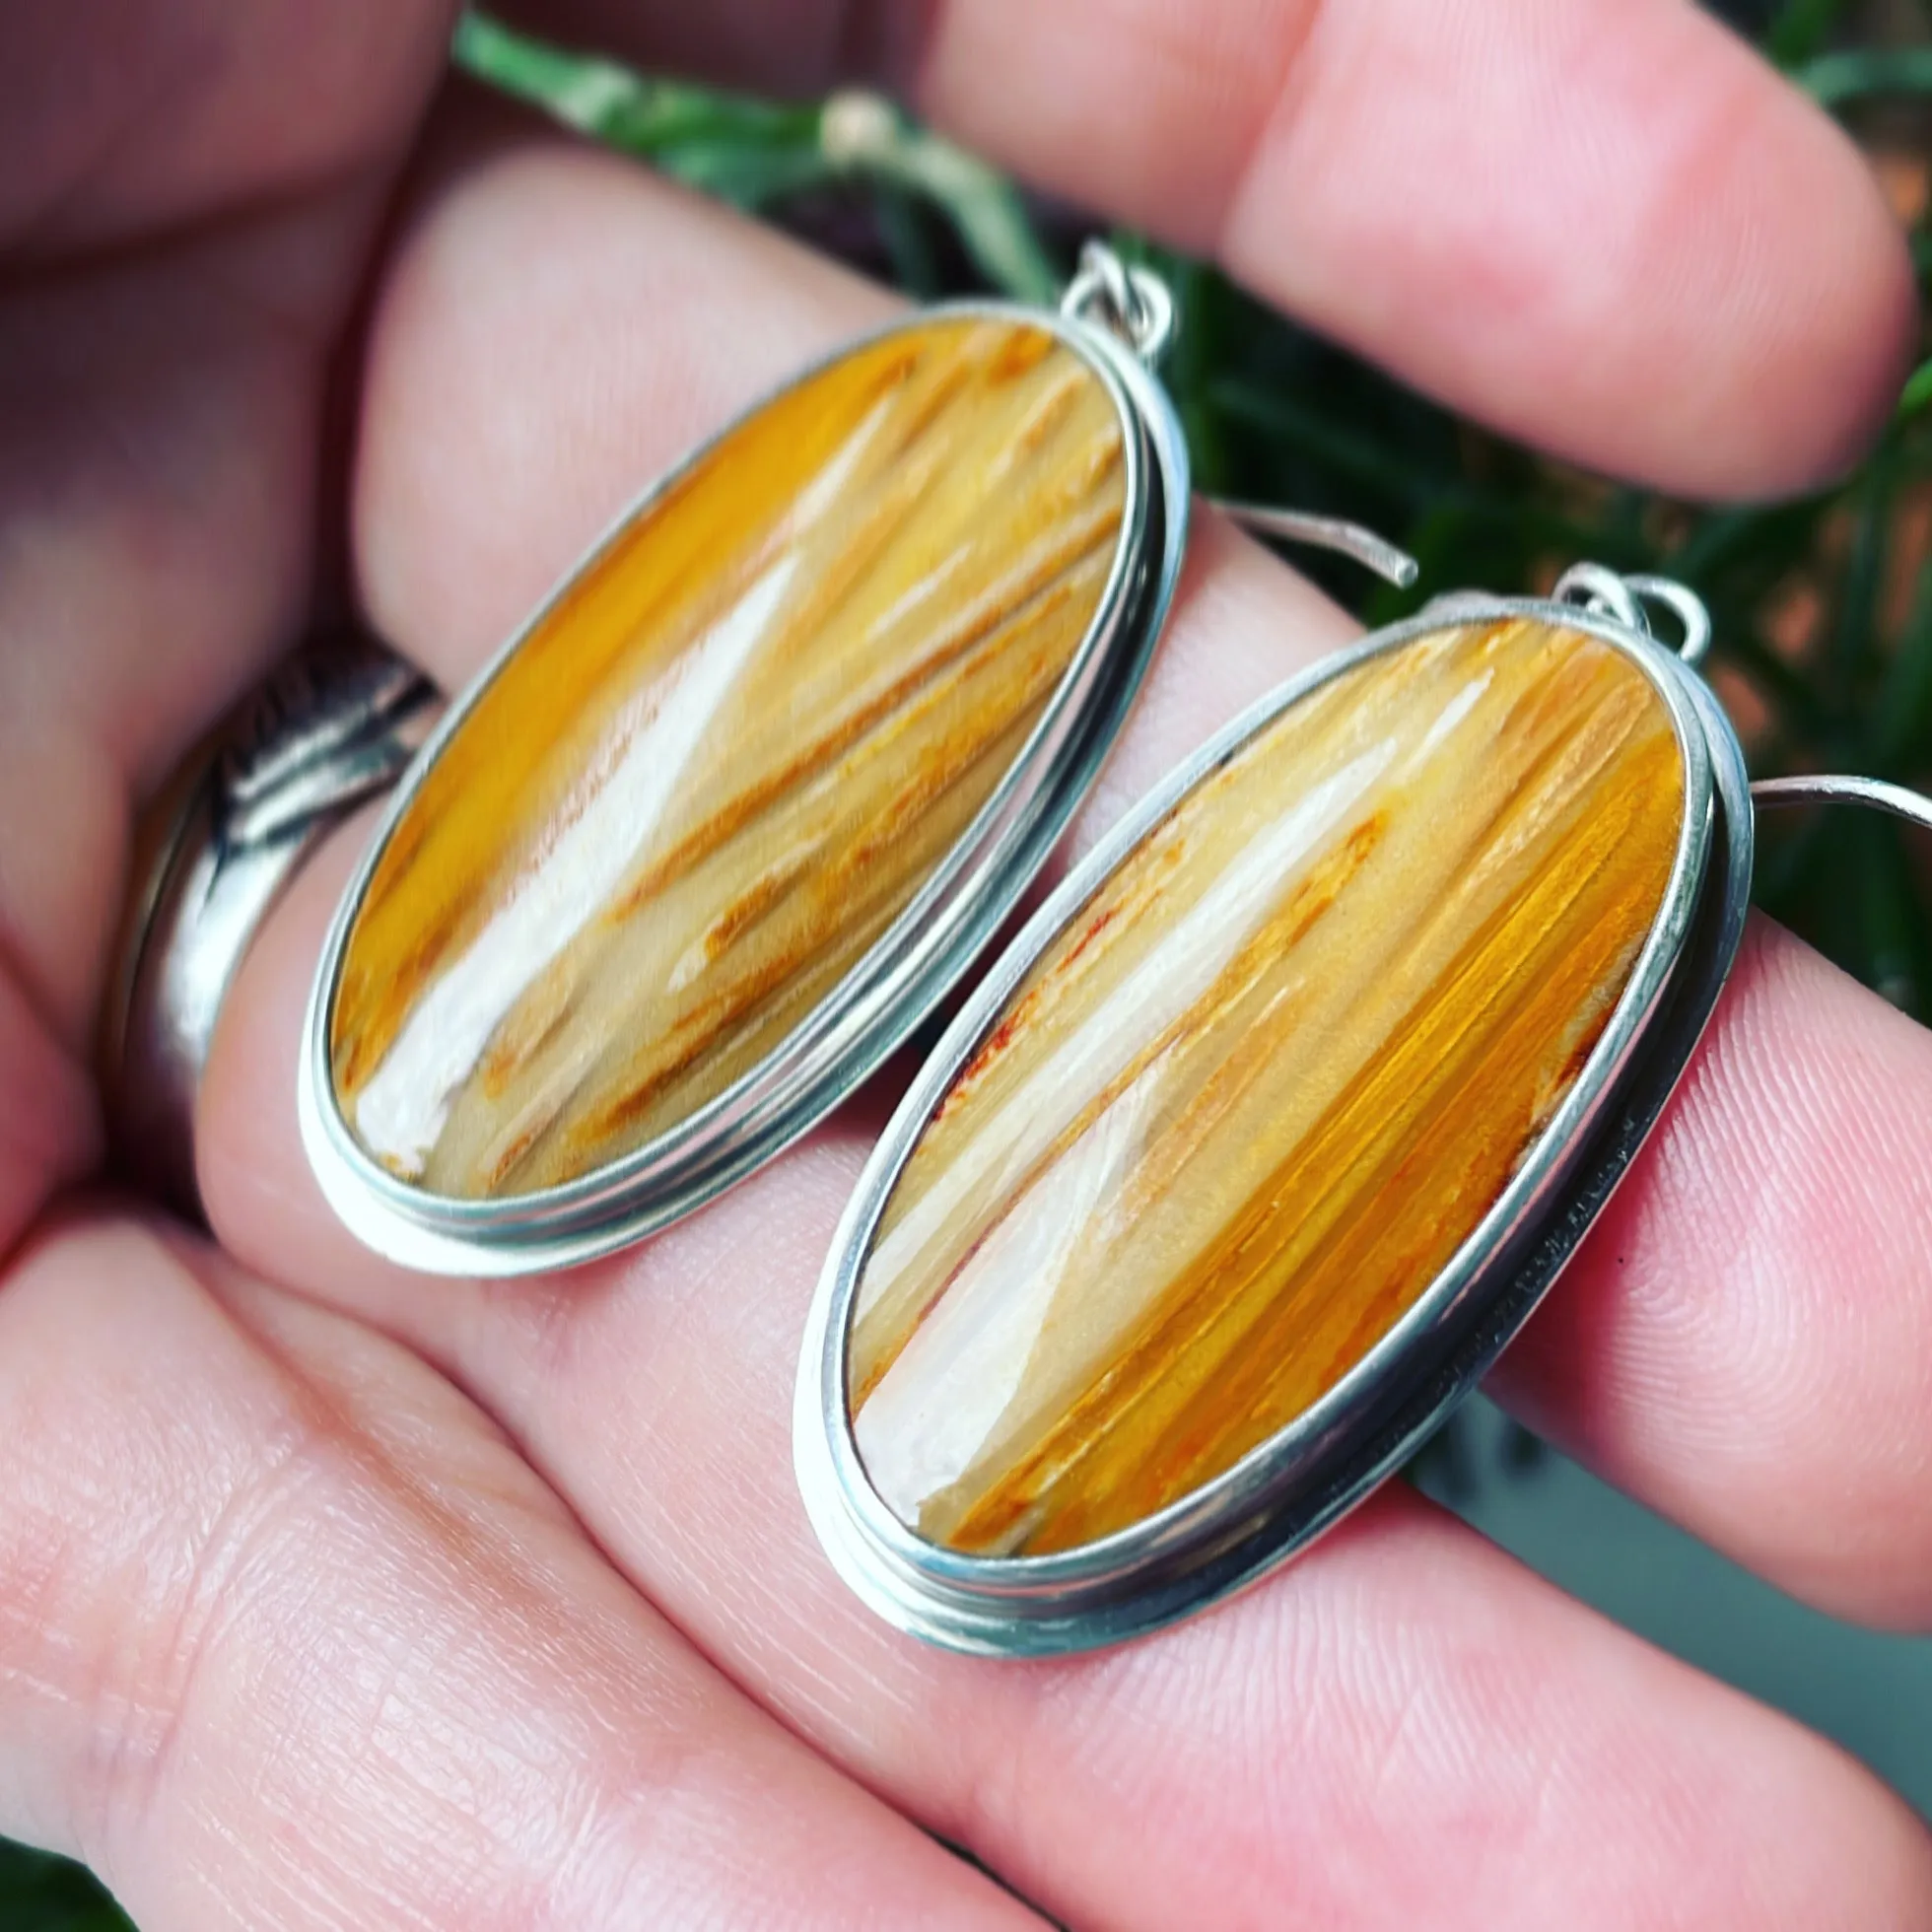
(1354,540)
(1838,788)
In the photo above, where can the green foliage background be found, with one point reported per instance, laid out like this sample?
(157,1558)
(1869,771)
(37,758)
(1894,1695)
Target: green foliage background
(1823,606)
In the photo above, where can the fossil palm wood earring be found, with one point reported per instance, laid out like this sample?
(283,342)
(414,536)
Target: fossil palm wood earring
(741,801)
(1266,1134)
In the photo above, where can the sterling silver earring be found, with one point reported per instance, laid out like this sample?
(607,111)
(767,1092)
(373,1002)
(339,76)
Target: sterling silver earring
(1266,1134)
(740,804)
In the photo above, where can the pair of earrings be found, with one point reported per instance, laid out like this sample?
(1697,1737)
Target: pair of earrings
(1251,1152)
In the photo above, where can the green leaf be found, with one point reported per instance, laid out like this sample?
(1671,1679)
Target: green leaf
(1917,391)
(867,139)
(1903,733)
(1834,78)
(744,151)
(39,1893)
(1856,640)
(1800,30)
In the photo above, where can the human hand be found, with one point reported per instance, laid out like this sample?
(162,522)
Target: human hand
(331,1596)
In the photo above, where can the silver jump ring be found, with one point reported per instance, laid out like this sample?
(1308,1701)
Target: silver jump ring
(1592,586)
(1598,589)
(1685,604)
(1134,302)
(1609,593)
(334,725)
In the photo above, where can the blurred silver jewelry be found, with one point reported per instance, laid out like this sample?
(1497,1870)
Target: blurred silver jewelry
(331,728)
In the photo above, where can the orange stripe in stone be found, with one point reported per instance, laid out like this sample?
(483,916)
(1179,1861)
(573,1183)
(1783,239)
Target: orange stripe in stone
(931,522)
(1247,1108)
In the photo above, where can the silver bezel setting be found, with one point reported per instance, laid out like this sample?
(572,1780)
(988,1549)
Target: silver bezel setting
(1298,1484)
(907,971)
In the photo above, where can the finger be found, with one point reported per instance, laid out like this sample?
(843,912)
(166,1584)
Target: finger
(154,496)
(289,1637)
(48,1131)
(656,1390)
(1405,1727)
(1816,1066)
(1513,1743)
(173,300)
(141,124)
(1746,1340)
(1608,229)
(177,262)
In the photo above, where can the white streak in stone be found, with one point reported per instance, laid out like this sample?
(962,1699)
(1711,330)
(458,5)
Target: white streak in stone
(932,1413)
(1451,715)
(918,1437)
(402,1109)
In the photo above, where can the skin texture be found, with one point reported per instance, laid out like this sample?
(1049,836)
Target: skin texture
(333,1596)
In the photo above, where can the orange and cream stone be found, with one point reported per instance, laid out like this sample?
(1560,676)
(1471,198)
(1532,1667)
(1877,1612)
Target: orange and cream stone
(1263,1086)
(727,757)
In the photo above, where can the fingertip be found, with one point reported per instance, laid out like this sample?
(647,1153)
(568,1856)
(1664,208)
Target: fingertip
(1823,353)
(1740,1342)
(1639,249)
(1879,359)
(1881,1846)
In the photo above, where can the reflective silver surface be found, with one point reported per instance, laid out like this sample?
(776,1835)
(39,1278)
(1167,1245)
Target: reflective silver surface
(1294,1486)
(332,727)
(1390,563)
(1831,788)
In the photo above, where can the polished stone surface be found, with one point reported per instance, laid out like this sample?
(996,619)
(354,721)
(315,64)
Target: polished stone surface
(727,757)
(1252,1100)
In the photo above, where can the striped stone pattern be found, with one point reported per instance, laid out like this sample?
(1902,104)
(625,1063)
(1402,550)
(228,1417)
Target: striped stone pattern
(727,757)
(1263,1087)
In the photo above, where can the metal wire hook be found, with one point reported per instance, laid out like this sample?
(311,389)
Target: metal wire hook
(1336,534)
(1597,589)
(1609,593)
(1834,789)
(1685,604)
(1135,303)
